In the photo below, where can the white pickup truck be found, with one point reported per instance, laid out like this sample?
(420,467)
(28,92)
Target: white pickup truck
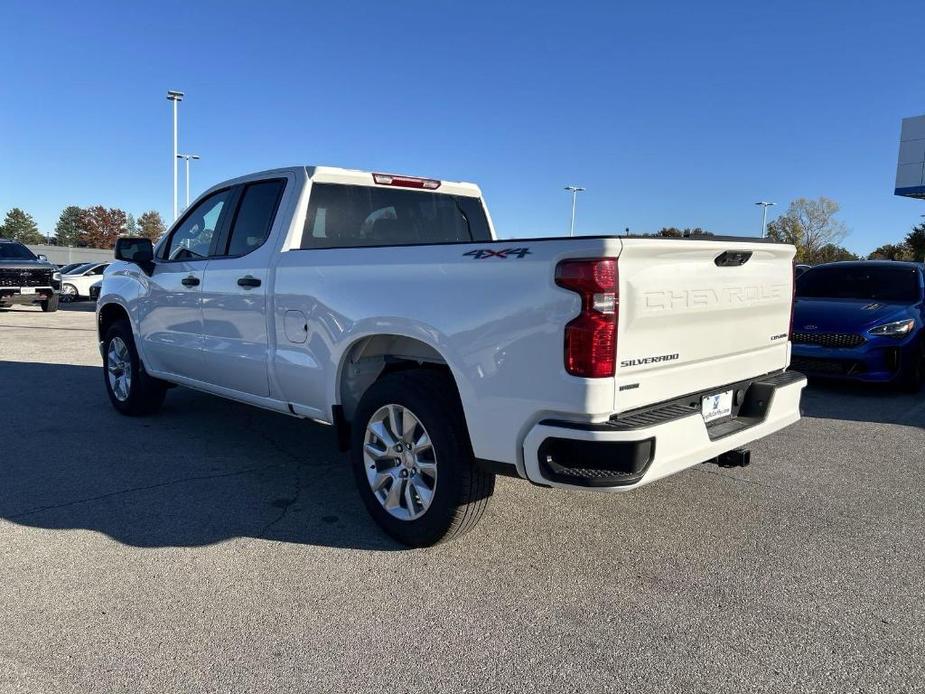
(385,306)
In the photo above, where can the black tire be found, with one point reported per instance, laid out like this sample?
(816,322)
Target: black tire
(50,305)
(461,490)
(145,393)
(913,373)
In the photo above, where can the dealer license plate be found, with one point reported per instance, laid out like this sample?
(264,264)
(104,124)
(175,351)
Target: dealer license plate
(716,406)
(27,290)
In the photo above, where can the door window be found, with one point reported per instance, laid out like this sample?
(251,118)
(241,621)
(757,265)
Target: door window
(255,215)
(192,239)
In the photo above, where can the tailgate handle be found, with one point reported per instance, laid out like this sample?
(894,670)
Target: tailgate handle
(732,258)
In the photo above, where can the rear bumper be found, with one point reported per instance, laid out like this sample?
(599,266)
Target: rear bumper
(630,451)
(13,295)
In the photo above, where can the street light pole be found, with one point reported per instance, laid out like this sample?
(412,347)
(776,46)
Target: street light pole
(176,97)
(574,190)
(764,216)
(187,157)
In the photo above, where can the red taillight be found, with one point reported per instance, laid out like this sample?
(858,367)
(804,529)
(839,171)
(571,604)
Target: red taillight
(406,181)
(591,338)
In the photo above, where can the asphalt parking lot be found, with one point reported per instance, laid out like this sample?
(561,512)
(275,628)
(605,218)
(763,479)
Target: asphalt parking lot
(218,548)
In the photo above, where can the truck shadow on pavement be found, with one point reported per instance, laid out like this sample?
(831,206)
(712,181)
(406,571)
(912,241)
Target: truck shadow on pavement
(203,470)
(863,403)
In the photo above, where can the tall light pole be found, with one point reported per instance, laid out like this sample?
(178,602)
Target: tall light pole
(187,157)
(574,190)
(176,97)
(764,216)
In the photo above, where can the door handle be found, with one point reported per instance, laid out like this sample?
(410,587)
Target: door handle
(191,281)
(248,282)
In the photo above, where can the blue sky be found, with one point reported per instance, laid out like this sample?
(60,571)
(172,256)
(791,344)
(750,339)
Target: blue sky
(670,114)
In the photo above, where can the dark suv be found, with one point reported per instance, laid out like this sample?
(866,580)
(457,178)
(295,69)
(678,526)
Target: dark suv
(26,278)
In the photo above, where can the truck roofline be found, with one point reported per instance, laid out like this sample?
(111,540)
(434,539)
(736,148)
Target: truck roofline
(356,177)
(359,177)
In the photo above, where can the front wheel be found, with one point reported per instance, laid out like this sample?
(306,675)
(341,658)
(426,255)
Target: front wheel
(412,459)
(131,390)
(50,305)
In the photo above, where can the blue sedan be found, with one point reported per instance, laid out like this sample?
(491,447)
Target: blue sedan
(860,321)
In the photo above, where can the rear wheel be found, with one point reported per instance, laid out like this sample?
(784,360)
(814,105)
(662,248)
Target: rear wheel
(412,460)
(50,305)
(131,391)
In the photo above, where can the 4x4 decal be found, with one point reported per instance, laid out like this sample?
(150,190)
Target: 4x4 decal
(483,253)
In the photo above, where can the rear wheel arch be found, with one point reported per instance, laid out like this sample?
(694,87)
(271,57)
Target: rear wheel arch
(371,358)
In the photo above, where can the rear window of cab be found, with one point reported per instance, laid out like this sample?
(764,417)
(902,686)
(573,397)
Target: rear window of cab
(345,216)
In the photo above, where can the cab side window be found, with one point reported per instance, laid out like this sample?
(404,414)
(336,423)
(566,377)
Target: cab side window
(100,269)
(254,217)
(193,238)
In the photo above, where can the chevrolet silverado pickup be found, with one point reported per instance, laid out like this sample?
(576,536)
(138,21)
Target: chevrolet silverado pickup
(385,306)
(27,279)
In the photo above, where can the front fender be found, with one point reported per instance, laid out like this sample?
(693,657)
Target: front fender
(124,288)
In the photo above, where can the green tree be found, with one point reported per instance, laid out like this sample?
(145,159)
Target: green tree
(915,241)
(831,253)
(675,233)
(103,226)
(810,225)
(670,232)
(20,226)
(892,251)
(131,227)
(150,225)
(69,229)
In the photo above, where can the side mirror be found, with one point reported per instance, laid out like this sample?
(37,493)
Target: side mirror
(43,257)
(138,251)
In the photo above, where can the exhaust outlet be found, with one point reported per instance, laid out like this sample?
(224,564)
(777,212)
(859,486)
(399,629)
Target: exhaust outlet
(740,457)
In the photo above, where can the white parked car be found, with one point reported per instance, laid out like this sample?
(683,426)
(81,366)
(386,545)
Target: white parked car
(76,283)
(385,306)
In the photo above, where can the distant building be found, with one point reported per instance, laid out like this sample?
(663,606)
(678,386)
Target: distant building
(910,170)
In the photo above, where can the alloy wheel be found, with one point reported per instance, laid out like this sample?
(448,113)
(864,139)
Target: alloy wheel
(119,368)
(401,464)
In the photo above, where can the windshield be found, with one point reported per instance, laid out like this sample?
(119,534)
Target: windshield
(83,267)
(15,251)
(864,282)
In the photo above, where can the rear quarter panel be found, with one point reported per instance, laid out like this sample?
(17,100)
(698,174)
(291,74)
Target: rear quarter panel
(497,320)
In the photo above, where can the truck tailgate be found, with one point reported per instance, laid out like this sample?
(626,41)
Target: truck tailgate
(695,315)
